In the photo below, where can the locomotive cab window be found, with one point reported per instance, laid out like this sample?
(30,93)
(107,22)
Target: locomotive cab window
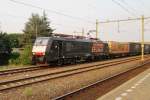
(41,42)
(55,45)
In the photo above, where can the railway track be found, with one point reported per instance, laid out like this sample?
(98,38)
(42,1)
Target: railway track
(20,70)
(25,69)
(80,90)
(10,84)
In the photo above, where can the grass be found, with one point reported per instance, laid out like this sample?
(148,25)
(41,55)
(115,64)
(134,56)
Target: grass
(8,67)
(28,91)
(3,68)
(12,67)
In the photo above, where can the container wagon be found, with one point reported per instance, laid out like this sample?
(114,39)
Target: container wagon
(117,49)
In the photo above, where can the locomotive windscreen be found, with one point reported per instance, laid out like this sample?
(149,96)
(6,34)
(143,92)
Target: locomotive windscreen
(41,41)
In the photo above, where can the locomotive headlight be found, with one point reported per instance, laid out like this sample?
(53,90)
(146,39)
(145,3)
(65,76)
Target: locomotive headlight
(33,53)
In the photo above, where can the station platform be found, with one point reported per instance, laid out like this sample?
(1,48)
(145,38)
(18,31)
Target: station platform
(138,88)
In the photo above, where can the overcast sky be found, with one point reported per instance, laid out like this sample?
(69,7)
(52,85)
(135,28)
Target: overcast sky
(67,16)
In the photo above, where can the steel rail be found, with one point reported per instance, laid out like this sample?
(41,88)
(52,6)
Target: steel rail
(6,85)
(19,70)
(25,69)
(95,83)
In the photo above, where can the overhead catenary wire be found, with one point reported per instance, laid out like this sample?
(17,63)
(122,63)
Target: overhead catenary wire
(124,2)
(131,8)
(12,15)
(21,17)
(123,20)
(124,8)
(143,5)
(52,11)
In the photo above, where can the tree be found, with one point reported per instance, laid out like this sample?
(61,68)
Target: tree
(37,26)
(16,40)
(5,44)
(5,48)
(46,30)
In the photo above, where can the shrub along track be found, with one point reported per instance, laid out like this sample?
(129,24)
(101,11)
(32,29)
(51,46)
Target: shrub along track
(9,84)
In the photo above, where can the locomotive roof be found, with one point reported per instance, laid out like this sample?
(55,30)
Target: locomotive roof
(69,39)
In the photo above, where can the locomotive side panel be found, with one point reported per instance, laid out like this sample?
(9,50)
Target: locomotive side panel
(54,52)
(76,49)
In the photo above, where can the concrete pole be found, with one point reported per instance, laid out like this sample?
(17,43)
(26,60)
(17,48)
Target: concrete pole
(82,31)
(97,28)
(142,42)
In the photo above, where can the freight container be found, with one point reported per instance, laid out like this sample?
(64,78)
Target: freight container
(135,48)
(146,48)
(118,47)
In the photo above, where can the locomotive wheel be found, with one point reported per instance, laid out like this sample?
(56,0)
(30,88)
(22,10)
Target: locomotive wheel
(60,62)
(73,61)
(33,61)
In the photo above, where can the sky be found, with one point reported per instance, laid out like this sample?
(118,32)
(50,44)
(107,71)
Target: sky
(71,16)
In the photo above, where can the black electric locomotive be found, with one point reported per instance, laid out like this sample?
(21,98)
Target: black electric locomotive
(66,50)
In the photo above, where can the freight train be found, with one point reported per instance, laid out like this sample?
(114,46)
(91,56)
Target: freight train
(61,50)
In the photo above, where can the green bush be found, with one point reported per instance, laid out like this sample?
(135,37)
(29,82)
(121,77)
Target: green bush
(4,59)
(22,58)
(25,57)
(14,58)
